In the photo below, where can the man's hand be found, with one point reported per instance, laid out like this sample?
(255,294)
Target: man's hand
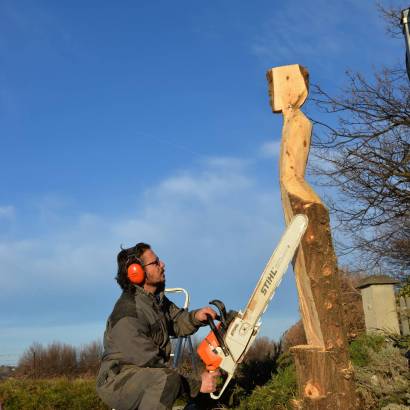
(209,381)
(201,314)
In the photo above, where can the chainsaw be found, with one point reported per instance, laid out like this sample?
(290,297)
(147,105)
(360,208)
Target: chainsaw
(227,343)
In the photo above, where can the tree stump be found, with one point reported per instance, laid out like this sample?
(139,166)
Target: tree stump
(324,372)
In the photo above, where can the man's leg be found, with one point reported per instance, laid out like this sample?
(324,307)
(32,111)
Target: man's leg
(142,389)
(161,389)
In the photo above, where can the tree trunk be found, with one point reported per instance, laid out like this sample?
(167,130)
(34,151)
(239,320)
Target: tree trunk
(324,372)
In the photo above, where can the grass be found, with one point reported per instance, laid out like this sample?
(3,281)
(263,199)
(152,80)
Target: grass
(360,349)
(50,394)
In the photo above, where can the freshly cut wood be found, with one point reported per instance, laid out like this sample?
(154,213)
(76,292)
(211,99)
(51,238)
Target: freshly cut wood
(323,366)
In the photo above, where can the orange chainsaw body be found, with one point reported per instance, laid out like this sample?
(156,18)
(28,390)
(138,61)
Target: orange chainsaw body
(207,351)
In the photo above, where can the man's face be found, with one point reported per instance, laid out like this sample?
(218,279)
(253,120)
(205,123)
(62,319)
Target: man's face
(154,269)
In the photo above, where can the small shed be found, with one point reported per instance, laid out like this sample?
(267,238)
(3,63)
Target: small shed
(379,303)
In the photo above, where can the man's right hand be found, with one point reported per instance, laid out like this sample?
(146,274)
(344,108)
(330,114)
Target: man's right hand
(209,381)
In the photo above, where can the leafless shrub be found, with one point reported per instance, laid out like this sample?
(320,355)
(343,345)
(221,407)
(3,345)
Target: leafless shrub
(263,348)
(294,336)
(89,358)
(30,363)
(352,303)
(59,359)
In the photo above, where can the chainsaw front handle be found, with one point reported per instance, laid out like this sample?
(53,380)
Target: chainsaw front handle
(217,396)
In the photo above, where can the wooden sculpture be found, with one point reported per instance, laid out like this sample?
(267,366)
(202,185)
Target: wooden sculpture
(324,372)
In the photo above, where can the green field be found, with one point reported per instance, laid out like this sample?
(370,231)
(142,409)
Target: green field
(50,394)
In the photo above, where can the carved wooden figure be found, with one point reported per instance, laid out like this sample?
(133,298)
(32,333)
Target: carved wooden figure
(323,368)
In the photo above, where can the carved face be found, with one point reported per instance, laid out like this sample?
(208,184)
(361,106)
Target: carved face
(288,86)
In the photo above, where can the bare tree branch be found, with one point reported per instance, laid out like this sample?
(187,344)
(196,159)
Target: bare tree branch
(365,157)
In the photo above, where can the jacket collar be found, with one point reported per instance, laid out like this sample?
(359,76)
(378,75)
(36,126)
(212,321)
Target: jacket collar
(158,298)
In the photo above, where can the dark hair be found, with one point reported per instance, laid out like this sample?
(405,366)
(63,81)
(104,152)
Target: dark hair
(124,258)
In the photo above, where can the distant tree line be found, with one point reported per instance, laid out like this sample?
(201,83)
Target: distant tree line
(60,359)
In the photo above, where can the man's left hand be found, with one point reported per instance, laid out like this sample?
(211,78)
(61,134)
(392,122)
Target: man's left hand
(201,314)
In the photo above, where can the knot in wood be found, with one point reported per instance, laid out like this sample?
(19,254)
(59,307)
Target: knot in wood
(327,271)
(328,305)
(348,372)
(310,238)
(311,390)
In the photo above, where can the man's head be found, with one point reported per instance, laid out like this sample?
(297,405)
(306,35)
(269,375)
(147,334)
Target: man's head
(154,269)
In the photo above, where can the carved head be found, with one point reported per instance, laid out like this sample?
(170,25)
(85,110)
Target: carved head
(288,86)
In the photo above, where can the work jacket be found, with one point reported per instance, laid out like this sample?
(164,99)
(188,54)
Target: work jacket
(138,333)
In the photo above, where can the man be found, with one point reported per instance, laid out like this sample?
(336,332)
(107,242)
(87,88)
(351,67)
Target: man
(134,372)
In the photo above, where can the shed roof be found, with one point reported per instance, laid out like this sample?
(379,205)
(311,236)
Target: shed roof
(376,280)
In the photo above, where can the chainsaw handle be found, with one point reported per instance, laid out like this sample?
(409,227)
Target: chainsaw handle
(222,311)
(218,395)
(218,335)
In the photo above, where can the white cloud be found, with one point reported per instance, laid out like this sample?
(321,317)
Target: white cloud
(270,149)
(215,227)
(189,217)
(218,178)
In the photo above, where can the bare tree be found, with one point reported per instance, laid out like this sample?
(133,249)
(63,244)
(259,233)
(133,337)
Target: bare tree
(89,358)
(29,363)
(60,359)
(366,157)
(56,359)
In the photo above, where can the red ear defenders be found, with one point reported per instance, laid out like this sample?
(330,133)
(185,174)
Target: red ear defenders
(135,272)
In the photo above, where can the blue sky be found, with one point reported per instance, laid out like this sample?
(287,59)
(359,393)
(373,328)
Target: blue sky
(150,121)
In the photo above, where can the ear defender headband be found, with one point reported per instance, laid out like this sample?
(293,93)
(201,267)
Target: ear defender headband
(135,271)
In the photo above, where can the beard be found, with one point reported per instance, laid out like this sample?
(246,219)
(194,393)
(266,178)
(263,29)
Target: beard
(160,287)
(156,281)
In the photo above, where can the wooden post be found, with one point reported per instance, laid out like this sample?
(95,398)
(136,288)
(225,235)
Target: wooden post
(323,368)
